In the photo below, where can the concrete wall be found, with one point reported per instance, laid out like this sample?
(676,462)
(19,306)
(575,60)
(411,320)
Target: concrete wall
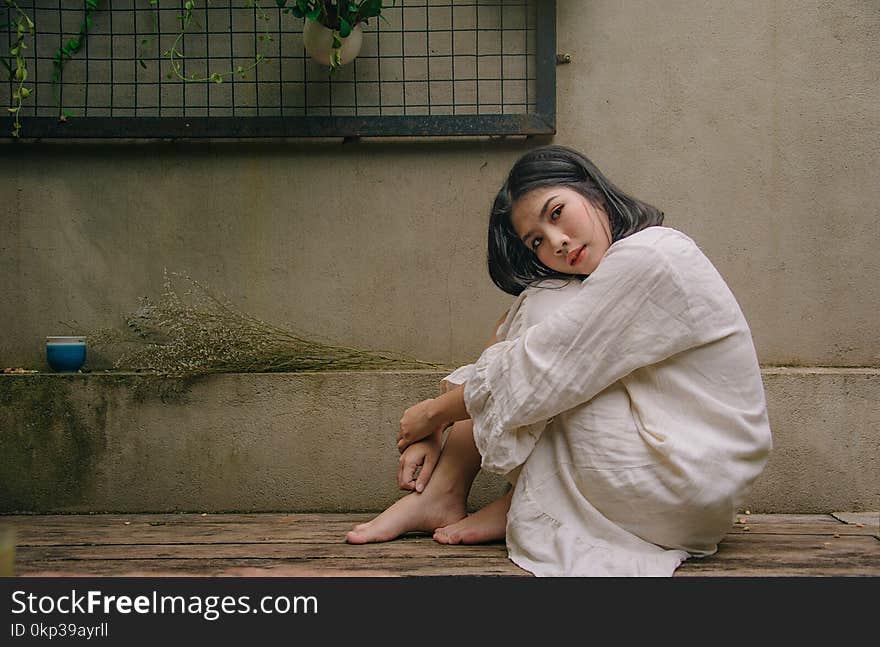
(260,442)
(325,442)
(752,124)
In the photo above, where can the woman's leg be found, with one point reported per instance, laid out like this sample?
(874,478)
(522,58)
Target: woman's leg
(483,526)
(443,500)
(441,507)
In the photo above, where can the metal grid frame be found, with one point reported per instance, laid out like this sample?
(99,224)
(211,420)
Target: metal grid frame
(538,119)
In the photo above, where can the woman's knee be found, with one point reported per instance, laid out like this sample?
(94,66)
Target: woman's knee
(462,427)
(462,434)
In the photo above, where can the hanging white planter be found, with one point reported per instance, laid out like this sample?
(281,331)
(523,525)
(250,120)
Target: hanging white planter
(318,41)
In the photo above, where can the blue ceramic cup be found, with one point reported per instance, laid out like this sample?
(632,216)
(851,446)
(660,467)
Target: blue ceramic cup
(66,354)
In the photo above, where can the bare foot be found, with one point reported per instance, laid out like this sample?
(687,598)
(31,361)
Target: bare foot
(416,512)
(481,527)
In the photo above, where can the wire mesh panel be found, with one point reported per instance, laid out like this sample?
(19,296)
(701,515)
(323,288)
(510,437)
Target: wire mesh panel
(142,68)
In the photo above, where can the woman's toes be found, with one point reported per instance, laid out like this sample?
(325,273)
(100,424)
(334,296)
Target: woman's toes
(446,535)
(356,535)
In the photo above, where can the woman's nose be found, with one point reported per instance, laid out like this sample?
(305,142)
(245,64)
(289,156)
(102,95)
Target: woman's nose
(559,241)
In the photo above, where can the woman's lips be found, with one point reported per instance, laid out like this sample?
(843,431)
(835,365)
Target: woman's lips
(576,256)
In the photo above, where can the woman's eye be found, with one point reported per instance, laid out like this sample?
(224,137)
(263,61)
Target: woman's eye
(557,212)
(536,241)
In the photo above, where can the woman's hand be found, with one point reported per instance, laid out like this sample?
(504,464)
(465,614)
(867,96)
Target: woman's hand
(420,421)
(424,453)
(429,416)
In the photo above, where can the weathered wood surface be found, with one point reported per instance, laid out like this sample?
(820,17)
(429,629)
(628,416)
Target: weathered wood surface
(308,545)
(184,528)
(862,518)
(331,567)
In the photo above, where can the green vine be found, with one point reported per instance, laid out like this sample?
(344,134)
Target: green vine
(68,50)
(23,26)
(175,52)
(341,17)
(141,50)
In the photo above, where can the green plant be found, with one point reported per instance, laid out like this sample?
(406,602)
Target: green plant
(341,17)
(176,57)
(68,50)
(17,68)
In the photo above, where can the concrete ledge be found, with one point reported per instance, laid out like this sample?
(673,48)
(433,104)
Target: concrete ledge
(325,442)
(826,436)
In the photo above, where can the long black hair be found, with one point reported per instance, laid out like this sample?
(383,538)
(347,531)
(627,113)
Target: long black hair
(513,266)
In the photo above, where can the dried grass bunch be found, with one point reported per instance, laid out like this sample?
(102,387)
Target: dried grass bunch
(198,333)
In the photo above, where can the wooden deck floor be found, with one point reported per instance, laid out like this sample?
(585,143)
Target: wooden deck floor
(309,545)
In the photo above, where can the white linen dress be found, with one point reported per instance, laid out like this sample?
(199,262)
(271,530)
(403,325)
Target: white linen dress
(629,410)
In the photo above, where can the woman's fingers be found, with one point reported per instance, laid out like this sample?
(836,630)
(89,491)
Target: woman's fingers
(400,465)
(405,433)
(425,474)
(406,473)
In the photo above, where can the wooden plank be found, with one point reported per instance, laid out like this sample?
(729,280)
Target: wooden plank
(313,544)
(188,517)
(333,567)
(236,519)
(811,519)
(359,517)
(867,519)
(744,555)
(53,521)
(783,528)
(300,531)
(417,549)
(114,520)
(790,555)
(850,556)
(145,530)
(292,529)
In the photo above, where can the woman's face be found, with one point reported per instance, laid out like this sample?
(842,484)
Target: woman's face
(564,229)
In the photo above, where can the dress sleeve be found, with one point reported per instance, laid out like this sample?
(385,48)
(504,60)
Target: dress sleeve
(633,311)
(458,377)
(518,443)
(463,373)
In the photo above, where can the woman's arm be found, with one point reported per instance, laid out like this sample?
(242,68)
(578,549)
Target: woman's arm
(494,339)
(652,297)
(431,416)
(633,311)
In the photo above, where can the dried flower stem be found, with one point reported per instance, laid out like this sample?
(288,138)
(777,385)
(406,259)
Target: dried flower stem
(199,333)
